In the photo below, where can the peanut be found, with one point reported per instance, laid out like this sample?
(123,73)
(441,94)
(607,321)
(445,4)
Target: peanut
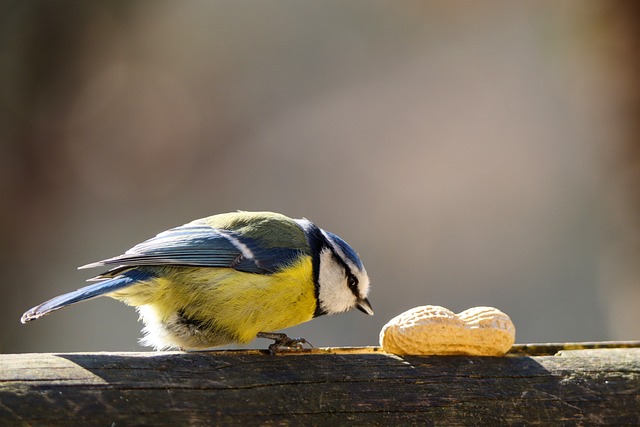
(434,330)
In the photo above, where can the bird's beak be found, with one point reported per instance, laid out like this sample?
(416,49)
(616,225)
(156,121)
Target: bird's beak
(364,306)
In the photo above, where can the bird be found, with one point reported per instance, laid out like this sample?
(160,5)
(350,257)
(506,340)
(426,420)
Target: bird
(228,279)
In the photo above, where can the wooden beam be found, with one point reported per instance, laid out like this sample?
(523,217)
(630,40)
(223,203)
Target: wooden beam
(361,386)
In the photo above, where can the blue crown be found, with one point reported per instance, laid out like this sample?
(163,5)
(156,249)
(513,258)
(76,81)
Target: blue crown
(348,250)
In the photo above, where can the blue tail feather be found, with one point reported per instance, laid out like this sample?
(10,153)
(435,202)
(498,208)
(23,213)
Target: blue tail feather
(121,281)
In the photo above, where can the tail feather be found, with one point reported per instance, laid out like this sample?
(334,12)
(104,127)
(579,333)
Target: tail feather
(127,278)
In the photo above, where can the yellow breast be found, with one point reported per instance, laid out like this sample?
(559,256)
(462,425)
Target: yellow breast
(221,305)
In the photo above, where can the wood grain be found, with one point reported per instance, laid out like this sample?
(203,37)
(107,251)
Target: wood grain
(349,386)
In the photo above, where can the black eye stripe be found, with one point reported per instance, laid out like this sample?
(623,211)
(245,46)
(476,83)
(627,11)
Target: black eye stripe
(318,244)
(352,282)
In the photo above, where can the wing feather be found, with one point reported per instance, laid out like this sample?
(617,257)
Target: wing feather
(200,245)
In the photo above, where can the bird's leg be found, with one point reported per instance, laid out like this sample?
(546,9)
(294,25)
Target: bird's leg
(283,341)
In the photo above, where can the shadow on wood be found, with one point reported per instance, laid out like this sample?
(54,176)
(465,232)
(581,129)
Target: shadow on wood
(361,386)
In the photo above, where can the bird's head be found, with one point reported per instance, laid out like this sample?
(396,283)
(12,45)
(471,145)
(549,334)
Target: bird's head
(343,282)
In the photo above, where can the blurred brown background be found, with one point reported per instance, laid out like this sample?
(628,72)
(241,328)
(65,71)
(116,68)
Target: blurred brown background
(474,153)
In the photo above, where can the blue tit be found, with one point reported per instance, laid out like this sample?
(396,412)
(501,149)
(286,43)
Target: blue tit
(229,278)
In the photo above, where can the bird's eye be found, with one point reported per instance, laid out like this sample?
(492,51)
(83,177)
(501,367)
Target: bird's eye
(352,282)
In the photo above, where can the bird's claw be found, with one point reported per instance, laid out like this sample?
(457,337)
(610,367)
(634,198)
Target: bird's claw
(289,344)
(282,342)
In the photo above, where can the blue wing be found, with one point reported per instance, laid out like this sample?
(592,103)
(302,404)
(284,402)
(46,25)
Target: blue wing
(200,245)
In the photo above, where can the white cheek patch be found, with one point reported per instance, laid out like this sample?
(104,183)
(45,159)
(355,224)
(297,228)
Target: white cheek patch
(335,296)
(360,273)
(363,281)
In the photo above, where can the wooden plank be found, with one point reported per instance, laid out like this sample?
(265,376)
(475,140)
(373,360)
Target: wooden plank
(361,386)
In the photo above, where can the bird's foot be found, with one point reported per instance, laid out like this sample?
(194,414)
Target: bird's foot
(282,341)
